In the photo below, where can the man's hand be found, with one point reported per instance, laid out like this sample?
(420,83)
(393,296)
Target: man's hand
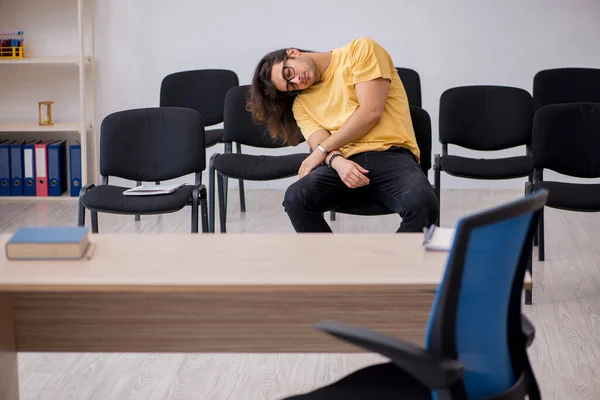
(311,162)
(352,174)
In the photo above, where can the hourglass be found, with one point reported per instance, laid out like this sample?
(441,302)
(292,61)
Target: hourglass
(45,113)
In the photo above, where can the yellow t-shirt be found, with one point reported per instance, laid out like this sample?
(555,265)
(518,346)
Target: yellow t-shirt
(329,103)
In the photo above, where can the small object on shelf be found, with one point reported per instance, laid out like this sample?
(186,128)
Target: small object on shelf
(45,113)
(12,44)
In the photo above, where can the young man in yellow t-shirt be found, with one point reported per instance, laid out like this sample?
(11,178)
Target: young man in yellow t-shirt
(351,107)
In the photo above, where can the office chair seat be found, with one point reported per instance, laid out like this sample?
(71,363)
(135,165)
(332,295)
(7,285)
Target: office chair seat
(109,198)
(571,196)
(381,382)
(258,168)
(213,136)
(500,168)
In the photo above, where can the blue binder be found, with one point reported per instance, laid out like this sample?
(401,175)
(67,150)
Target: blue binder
(75,168)
(4,167)
(29,168)
(16,168)
(57,168)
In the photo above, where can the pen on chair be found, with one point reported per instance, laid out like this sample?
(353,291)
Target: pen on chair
(429,234)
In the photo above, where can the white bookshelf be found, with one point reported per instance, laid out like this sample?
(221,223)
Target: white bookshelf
(86,123)
(74,60)
(34,127)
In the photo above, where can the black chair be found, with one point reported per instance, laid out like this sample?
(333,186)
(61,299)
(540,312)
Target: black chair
(566,139)
(149,144)
(477,338)
(239,127)
(365,205)
(203,90)
(484,118)
(412,85)
(566,85)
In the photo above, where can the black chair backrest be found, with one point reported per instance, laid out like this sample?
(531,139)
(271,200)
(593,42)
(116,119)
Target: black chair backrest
(238,124)
(422,126)
(202,90)
(152,144)
(566,139)
(566,85)
(486,117)
(412,85)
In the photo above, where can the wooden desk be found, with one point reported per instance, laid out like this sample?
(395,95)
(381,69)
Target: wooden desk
(214,293)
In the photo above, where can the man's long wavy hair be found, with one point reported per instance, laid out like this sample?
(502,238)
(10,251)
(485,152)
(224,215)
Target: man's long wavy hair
(271,107)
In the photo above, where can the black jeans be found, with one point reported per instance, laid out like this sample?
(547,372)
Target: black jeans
(396,181)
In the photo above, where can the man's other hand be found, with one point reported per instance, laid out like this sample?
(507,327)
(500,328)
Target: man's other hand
(311,162)
(352,174)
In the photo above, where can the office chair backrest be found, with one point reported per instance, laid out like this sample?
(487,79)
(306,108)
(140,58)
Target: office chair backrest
(476,315)
(202,90)
(422,127)
(566,85)
(152,144)
(486,117)
(239,126)
(412,85)
(566,139)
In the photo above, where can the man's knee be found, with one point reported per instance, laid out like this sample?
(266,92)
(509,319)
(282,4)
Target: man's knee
(423,203)
(294,196)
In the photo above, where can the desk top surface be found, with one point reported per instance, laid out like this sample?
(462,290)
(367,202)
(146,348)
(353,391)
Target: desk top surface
(237,262)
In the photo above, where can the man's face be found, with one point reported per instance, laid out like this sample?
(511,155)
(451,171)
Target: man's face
(296,72)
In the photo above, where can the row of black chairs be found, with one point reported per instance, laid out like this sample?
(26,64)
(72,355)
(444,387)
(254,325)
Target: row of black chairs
(492,118)
(474,117)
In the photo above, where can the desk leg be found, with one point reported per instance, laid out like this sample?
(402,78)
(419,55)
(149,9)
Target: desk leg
(9,369)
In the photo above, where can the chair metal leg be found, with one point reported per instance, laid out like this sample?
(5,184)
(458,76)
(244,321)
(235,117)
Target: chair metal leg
(137,216)
(541,255)
(211,193)
(528,191)
(94,215)
(81,214)
(195,196)
(81,211)
(241,184)
(203,210)
(222,202)
(437,167)
(332,215)
(225,188)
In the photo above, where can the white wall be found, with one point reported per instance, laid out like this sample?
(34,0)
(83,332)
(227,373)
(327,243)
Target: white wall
(138,42)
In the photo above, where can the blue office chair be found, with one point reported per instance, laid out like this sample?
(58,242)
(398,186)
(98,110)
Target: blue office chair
(476,340)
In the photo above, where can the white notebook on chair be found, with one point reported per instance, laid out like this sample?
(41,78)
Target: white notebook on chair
(147,190)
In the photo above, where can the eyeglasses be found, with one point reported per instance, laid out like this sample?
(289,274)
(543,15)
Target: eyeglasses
(288,74)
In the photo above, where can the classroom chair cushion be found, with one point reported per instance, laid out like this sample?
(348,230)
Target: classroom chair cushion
(571,196)
(109,198)
(499,168)
(213,136)
(258,168)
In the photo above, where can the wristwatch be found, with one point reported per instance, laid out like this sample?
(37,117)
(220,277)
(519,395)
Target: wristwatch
(322,149)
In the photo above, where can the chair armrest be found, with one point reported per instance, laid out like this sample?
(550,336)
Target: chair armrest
(431,371)
(528,330)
